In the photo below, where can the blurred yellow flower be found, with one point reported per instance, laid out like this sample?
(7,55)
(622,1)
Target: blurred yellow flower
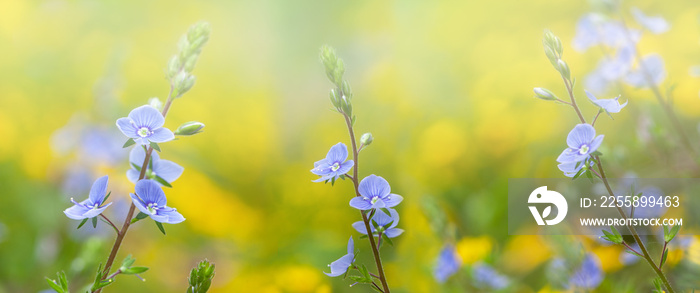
(474,249)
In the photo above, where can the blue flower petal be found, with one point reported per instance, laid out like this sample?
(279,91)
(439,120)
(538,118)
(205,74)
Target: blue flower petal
(654,64)
(393,232)
(173,216)
(161,135)
(392,200)
(150,192)
(655,24)
(581,134)
(359,203)
(147,116)
(76,212)
(337,153)
(360,227)
(374,185)
(589,275)
(127,128)
(168,170)
(98,190)
(96,212)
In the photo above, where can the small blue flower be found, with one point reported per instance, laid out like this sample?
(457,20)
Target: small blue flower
(166,170)
(595,29)
(341,265)
(570,169)
(94,205)
(448,263)
(334,164)
(589,275)
(385,223)
(145,125)
(655,24)
(485,277)
(654,65)
(150,200)
(375,193)
(608,105)
(582,142)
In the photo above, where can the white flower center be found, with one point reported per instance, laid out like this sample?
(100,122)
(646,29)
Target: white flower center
(96,206)
(335,167)
(374,199)
(583,149)
(144,132)
(152,208)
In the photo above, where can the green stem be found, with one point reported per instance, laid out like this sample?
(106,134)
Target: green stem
(373,244)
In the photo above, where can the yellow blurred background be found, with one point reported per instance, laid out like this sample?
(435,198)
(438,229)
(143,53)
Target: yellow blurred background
(444,86)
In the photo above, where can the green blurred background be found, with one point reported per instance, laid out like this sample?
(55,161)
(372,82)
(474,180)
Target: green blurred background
(444,86)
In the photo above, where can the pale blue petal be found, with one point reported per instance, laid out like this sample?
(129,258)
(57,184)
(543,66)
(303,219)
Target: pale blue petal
(139,204)
(132,175)
(161,135)
(150,192)
(595,144)
(360,227)
(168,170)
(568,155)
(127,128)
(98,190)
(345,167)
(76,212)
(360,204)
(654,24)
(337,153)
(351,246)
(392,200)
(340,266)
(393,232)
(374,185)
(172,216)
(581,134)
(382,219)
(96,212)
(147,116)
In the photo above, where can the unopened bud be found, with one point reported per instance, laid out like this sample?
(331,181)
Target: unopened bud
(189,128)
(367,139)
(544,94)
(564,69)
(155,103)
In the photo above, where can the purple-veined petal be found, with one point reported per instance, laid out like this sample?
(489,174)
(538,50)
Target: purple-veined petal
(128,129)
(150,192)
(654,24)
(382,219)
(76,212)
(392,200)
(147,116)
(568,155)
(173,216)
(360,227)
(393,232)
(359,203)
(161,135)
(351,246)
(345,167)
(168,170)
(570,168)
(324,178)
(321,168)
(595,144)
(96,212)
(140,205)
(337,153)
(374,185)
(98,190)
(581,134)
(379,204)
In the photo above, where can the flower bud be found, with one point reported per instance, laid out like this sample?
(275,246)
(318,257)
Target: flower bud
(335,99)
(544,94)
(367,139)
(564,69)
(335,68)
(189,128)
(155,103)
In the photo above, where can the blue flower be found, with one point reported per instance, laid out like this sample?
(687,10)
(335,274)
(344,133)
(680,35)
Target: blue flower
(166,170)
(448,263)
(375,193)
(145,125)
(150,200)
(589,275)
(582,142)
(94,205)
(608,105)
(341,265)
(654,65)
(594,29)
(334,164)
(655,24)
(570,169)
(485,277)
(385,223)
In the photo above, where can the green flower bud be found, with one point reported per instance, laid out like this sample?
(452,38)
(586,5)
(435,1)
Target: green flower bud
(367,139)
(335,68)
(182,83)
(553,42)
(545,94)
(189,128)
(335,99)
(200,30)
(564,69)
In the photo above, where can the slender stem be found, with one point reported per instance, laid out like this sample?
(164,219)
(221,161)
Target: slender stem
(596,118)
(645,253)
(373,244)
(630,247)
(110,223)
(663,251)
(132,209)
(113,275)
(377,287)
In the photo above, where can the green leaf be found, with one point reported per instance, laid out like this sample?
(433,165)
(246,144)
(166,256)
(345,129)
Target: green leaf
(596,153)
(160,227)
(53,285)
(634,253)
(129,143)
(94,222)
(162,181)
(672,233)
(155,146)
(127,262)
(578,174)
(387,239)
(134,270)
(82,223)
(139,216)
(664,257)
(106,197)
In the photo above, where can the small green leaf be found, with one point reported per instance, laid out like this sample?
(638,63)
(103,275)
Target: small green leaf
(160,227)
(155,146)
(634,253)
(134,270)
(82,223)
(53,285)
(129,143)
(94,222)
(664,257)
(162,181)
(387,239)
(579,173)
